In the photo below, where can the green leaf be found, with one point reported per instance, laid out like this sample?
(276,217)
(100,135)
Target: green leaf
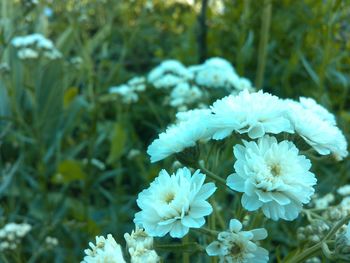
(68,171)
(118,140)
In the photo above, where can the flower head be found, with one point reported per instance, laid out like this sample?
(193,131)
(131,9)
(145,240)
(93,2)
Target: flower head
(236,245)
(168,74)
(174,203)
(140,247)
(194,126)
(253,113)
(273,177)
(105,250)
(318,132)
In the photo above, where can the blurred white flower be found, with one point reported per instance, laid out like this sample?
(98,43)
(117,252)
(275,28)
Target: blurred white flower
(27,53)
(51,241)
(127,94)
(180,136)
(105,250)
(344,190)
(137,83)
(174,203)
(272,176)
(140,247)
(236,245)
(184,94)
(168,74)
(12,234)
(253,113)
(320,134)
(323,202)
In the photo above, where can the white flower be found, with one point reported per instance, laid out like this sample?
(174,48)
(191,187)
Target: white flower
(323,202)
(174,203)
(319,110)
(140,247)
(184,94)
(168,74)
(11,235)
(345,204)
(182,135)
(253,113)
(344,190)
(51,241)
(127,94)
(320,134)
(215,73)
(27,53)
(105,250)
(273,177)
(236,245)
(138,83)
(243,84)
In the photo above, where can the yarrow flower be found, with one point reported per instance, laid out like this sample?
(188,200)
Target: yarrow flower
(140,247)
(344,190)
(184,94)
(236,245)
(182,135)
(174,203)
(168,74)
(105,250)
(12,234)
(273,177)
(253,113)
(31,46)
(321,134)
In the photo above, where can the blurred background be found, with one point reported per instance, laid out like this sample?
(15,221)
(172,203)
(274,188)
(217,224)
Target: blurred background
(73,158)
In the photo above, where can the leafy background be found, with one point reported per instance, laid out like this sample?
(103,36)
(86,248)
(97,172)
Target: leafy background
(64,142)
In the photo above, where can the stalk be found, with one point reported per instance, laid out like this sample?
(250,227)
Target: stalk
(263,43)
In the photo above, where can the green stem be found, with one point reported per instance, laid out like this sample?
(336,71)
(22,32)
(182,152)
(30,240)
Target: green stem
(310,251)
(213,176)
(264,36)
(185,254)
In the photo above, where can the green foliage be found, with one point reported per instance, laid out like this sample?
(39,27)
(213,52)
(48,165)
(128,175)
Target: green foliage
(64,142)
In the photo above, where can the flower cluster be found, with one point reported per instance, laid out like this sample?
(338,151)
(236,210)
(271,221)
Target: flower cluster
(12,234)
(236,245)
(105,250)
(35,45)
(273,177)
(219,73)
(140,247)
(128,92)
(188,86)
(174,203)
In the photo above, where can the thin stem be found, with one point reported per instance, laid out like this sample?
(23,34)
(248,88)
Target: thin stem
(213,176)
(185,255)
(264,37)
(310,251)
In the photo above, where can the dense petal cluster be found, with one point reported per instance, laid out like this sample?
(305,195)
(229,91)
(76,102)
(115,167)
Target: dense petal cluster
(34,45)
(140,247)
(253,113)
(174,203)
(273,177)
(105,250)
(180,136)
(168,74)
(218,73)
(236,245)
(317,129)
(256,114)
